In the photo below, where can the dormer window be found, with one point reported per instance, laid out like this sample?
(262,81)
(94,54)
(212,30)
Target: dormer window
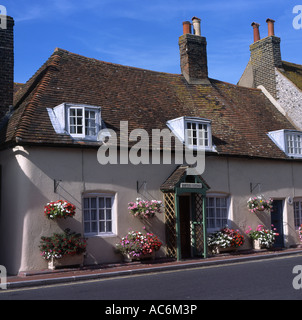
(294,143)
(194,132)
(83,122)
(289,141)
(197,134)
(80,121)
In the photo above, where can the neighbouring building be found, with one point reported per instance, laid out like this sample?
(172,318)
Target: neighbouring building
(49,151)
(280,80)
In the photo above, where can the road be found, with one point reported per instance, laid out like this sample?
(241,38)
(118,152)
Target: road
(270,279)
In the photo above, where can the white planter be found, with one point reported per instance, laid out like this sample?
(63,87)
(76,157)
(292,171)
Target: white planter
(256,245)
(128,258)
(66,261)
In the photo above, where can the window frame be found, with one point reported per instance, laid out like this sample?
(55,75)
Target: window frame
(299,218)
(198,122)
(227,207)
(294,146)
(113,219)
(84,108)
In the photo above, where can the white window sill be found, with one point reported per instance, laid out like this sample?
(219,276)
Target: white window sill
(100,235)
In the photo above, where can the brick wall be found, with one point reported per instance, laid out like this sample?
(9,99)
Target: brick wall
(193,58)
(6,66)
(265,56)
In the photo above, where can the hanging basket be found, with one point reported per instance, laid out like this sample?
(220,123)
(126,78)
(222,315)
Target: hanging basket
(259,204)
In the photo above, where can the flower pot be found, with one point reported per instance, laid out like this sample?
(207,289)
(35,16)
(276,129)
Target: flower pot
(66,261)
(256,244)
(149,256)
(218,250)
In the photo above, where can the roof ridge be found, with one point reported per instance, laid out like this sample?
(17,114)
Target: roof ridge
(63,51)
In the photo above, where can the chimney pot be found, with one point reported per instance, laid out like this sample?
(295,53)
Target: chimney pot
(270,25)
(196,26)
(186,27)
(256,31)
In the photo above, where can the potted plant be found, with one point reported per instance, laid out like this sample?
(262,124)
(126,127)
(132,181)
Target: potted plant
(225,238)
(63,249)
(300,232)
(59,209)
(144,209)
(259,204)
(136,245)
(262,238)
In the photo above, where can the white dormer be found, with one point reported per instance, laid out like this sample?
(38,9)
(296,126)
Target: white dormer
(79,120)
(289,141)
(195,133)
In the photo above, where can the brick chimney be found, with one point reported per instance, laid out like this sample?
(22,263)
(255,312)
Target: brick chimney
(193,54)
(6,63)
(265,57)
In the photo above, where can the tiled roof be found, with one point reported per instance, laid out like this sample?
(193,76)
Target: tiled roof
(293,72)
(17,86)
(241,117)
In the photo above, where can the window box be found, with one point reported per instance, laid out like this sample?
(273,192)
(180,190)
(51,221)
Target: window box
(66,261)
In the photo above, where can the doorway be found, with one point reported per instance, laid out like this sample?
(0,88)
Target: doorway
(185,225)
(277,221)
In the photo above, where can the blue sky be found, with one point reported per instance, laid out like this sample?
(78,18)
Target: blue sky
(145,34)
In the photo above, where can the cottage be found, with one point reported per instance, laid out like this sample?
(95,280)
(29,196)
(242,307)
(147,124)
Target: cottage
(49,138)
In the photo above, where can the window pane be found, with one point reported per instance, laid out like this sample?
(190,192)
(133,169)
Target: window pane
(93,214)
(86,203)
(102,226)
(72,121)
(108,214)
(86,215)
(94,227)
(108,202)
(102,214)
(108,226)
(101,203)
(93,202)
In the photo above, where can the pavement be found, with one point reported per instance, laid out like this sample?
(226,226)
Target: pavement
(103,271)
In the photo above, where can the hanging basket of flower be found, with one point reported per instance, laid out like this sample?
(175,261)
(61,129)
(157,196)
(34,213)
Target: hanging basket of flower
(144,209)
(259,203)
(59,209)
